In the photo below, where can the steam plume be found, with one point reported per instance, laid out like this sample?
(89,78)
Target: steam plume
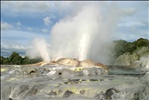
(84,35)
(39,49)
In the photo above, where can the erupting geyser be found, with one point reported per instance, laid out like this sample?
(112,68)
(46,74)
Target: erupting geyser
(40,49)
(82,36)
(83,48)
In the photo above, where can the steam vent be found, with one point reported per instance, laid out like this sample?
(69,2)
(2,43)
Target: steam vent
(70,79)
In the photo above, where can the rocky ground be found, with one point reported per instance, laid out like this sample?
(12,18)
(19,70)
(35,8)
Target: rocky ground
(49,82)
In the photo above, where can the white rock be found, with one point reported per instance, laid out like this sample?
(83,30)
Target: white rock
(51,73)
(85,72)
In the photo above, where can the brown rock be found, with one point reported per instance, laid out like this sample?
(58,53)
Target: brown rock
(67,62)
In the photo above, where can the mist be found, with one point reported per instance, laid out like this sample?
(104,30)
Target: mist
(87,33)
(39,49)
(145,62)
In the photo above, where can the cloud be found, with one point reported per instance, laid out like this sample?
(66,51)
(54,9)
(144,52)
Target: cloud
(129,11)
(131,24)
(18,24)
(37,8)
(47,20)
(5,26)
(18,41)
(29,28)
(8,47)
(20,36)
(44,30)
(131,36)
(25,6)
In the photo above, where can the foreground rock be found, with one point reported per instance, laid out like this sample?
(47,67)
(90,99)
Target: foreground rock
(137,90)
(81,82)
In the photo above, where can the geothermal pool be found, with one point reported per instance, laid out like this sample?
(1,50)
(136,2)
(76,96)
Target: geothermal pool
(46,82)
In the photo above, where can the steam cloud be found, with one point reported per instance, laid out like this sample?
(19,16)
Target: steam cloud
(84,35)
(39,49)
(145,62)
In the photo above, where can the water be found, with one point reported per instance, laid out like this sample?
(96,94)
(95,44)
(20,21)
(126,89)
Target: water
(84,46)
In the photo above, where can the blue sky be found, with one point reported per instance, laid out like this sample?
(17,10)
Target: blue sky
(22,21)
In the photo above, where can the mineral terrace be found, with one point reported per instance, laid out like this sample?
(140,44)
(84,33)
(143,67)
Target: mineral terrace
(70,79)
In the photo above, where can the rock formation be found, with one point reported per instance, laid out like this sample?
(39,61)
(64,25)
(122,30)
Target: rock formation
(69,79)
(69,62)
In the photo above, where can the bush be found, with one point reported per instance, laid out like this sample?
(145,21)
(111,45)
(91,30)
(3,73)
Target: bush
(15,58)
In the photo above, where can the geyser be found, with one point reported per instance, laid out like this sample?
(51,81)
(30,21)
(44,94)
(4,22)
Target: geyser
(83,46)
(82,35)
(39,49)
(71,37)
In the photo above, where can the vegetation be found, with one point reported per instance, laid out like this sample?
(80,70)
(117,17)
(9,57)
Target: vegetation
(125,53)
(15,58)
(122,46)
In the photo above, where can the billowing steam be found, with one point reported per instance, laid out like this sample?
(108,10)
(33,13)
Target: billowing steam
(39,49)
(84,35)
(145,62)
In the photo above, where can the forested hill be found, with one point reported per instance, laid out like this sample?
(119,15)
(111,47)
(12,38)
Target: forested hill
(123,53)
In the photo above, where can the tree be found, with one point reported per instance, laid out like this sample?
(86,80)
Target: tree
(15,58)
(26,60)
(141,42)
(121,46)
(2,60)
(6,61)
